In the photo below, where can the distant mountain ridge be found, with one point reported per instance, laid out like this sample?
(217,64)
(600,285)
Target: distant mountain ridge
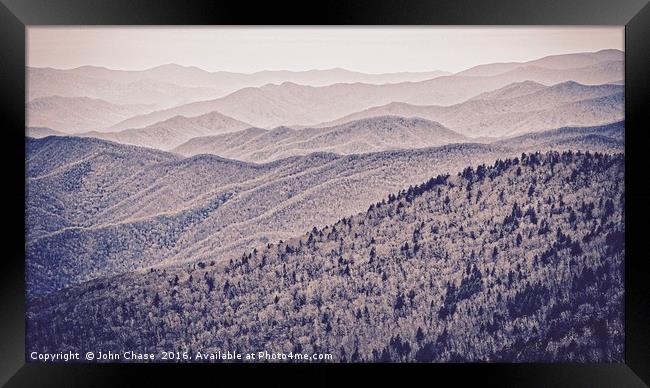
(174,131)
(609,138)
(39,132)
(193,76)
(47,82)
(515,108)
(362,136)
(78,114)
(561,61)
(171,84)
(290,104)
(515,89)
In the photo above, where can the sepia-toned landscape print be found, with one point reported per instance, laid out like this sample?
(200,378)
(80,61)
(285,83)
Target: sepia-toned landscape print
(325,194)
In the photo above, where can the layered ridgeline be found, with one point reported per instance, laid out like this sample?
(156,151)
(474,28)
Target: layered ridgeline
(514,109)
(173,132)
(39,132)
(290,104)
(173,84)
(93,98)
(608,138)
(361,136)
(74,83)
(78,114)
(107,208)
(518,261)
(96,208)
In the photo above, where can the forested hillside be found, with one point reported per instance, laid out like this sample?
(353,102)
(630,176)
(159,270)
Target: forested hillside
(102,208)
(521,260)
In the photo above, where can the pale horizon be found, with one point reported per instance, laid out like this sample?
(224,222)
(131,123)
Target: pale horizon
(370,50)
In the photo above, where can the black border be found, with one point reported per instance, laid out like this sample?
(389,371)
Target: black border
(634,14)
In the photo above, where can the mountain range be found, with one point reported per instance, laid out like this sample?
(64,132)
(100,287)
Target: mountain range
(292,104)
(174,131)
(558,62)
(78,114)
(171,84)
(97,208)
(39,132)
(520,260)
(355,137)
(399,217)
(516,108)
(192,76)
(47,82)
(93,100)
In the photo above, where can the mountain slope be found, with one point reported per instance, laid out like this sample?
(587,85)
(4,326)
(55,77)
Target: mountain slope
(78,114)
(562,61)
(96,208)
(108,215)
(515,89)
(520,261)
(172,132)
(39,132)
(362,136)
(531,109)
(606,138)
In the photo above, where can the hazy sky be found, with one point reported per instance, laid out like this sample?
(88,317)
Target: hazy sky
(250,49)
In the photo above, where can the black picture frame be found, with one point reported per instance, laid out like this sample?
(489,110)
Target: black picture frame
(15,15)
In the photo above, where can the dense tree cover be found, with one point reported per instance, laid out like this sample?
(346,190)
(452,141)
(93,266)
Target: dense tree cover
(96,208)
(521,260)
(103,208)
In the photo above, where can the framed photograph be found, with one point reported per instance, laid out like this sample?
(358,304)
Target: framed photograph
(440,187)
